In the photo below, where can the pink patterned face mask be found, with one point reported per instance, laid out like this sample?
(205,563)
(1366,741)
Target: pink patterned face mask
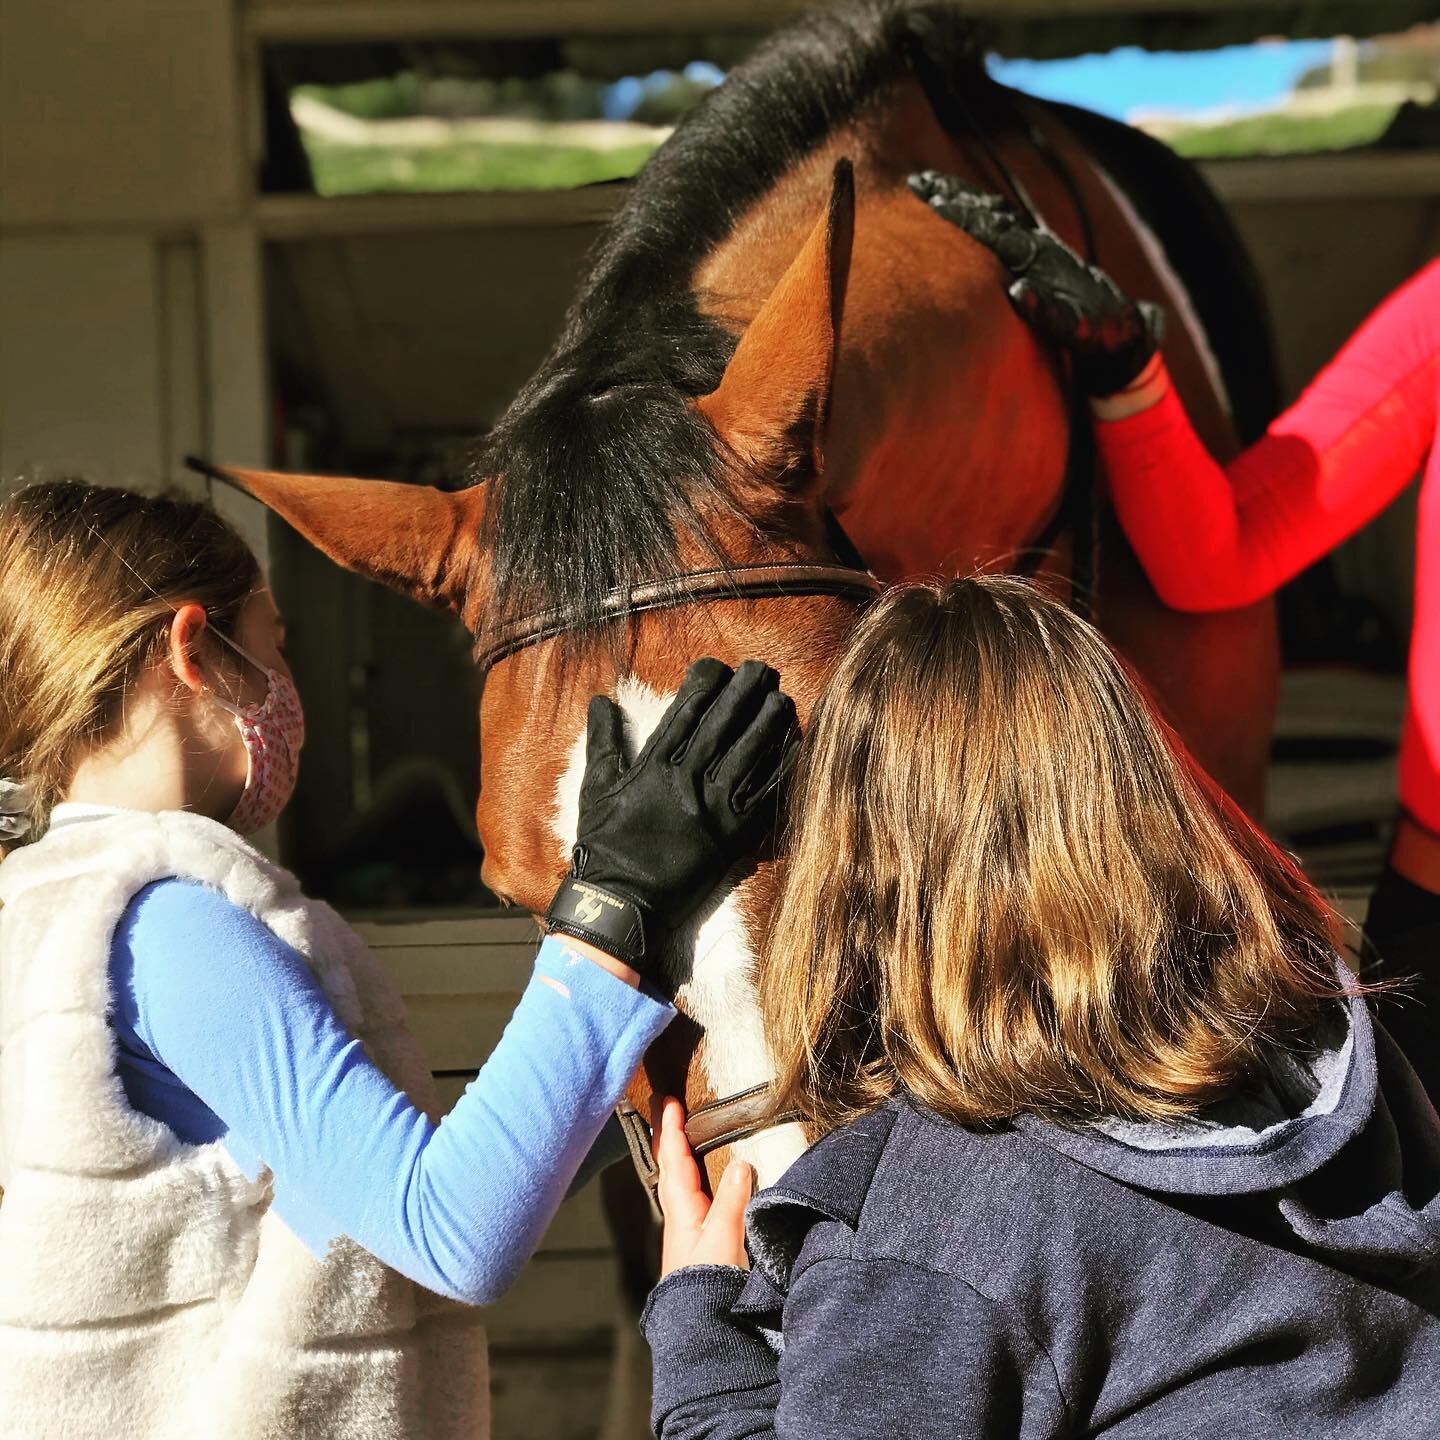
(273,732)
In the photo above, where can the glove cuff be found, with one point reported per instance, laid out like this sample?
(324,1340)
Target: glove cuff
(1104,375)
(609,921)
(1110,372)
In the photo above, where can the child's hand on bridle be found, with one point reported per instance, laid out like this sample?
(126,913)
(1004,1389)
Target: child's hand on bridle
(698,1231)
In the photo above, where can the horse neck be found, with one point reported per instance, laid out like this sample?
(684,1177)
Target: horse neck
(948,429)
(949,433)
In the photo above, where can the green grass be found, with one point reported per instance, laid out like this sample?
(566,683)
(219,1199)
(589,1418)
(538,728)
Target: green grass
(1285,134)
(484,165)
(389,98)
(376,169)
(372,169)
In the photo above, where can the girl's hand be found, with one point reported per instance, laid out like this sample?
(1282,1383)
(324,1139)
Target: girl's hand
(657,834)
(1111,339)
(698,1231)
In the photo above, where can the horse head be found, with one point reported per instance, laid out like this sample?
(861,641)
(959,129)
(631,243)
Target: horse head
(767,423)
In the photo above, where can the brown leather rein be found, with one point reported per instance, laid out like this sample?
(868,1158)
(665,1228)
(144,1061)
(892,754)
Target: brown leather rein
(730,1118)
(709,1127)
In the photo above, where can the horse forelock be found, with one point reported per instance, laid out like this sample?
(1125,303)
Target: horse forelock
(597,466)
(602,463)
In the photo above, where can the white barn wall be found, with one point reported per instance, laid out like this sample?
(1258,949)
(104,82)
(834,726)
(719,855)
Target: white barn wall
(119,113)
(81,374)
(130,329)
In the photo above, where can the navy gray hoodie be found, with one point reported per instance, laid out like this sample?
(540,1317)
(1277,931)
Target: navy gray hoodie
(1269,1269)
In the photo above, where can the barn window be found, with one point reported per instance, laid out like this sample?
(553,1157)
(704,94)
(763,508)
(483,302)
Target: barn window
(1275,97)
(480,115)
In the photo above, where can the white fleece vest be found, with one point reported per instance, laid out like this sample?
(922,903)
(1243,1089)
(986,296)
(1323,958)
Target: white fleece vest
(145,1291)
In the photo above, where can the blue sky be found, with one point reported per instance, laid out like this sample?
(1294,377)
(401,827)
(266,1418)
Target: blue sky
(1124,80)
(1115,84)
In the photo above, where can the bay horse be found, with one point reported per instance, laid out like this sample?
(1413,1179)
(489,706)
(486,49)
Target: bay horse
(774,332)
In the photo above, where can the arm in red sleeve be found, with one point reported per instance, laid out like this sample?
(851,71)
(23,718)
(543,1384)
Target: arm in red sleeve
(1212,537)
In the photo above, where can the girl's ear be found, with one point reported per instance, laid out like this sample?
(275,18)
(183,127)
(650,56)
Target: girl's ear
(185,631)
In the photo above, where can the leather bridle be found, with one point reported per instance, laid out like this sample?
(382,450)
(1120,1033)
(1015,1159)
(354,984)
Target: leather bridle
(770,581)
(730,1118)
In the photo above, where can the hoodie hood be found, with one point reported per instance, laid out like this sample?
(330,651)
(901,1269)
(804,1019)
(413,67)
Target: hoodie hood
(1336,1153)
(1307,1108)
(1338,1144)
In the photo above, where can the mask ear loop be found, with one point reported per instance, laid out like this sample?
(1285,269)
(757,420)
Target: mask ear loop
(243,653)
(239,649)
(224,639)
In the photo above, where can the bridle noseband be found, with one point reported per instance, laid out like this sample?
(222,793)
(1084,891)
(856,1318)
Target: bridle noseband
(711,1126)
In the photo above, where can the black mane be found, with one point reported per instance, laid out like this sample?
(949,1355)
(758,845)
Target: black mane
(599,459)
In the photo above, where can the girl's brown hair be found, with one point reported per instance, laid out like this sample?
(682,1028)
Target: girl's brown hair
(89,580)
(1009,889)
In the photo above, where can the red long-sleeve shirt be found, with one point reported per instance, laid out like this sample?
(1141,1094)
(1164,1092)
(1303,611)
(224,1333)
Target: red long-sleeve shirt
(1213,537)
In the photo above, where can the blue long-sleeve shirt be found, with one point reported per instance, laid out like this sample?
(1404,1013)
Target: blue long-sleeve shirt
(224,1033)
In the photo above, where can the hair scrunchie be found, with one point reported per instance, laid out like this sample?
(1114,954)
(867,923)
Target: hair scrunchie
(17,802)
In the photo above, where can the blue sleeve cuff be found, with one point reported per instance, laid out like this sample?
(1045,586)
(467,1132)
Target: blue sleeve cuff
(576,976)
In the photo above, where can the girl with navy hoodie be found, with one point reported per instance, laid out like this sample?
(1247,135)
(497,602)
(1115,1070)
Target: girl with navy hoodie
(1109,1142)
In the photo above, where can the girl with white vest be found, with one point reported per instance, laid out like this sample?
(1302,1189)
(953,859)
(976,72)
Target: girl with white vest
(228,1209)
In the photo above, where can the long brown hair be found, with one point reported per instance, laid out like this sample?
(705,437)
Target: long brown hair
(89,578)
(1009,889)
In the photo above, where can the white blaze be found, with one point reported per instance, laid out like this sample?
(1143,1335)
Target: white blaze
(720,994)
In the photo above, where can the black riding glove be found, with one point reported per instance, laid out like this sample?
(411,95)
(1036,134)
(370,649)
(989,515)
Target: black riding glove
(1073,305)
(655,838)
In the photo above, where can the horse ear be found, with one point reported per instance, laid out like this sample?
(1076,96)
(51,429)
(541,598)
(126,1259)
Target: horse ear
(773,401)
(413,538)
